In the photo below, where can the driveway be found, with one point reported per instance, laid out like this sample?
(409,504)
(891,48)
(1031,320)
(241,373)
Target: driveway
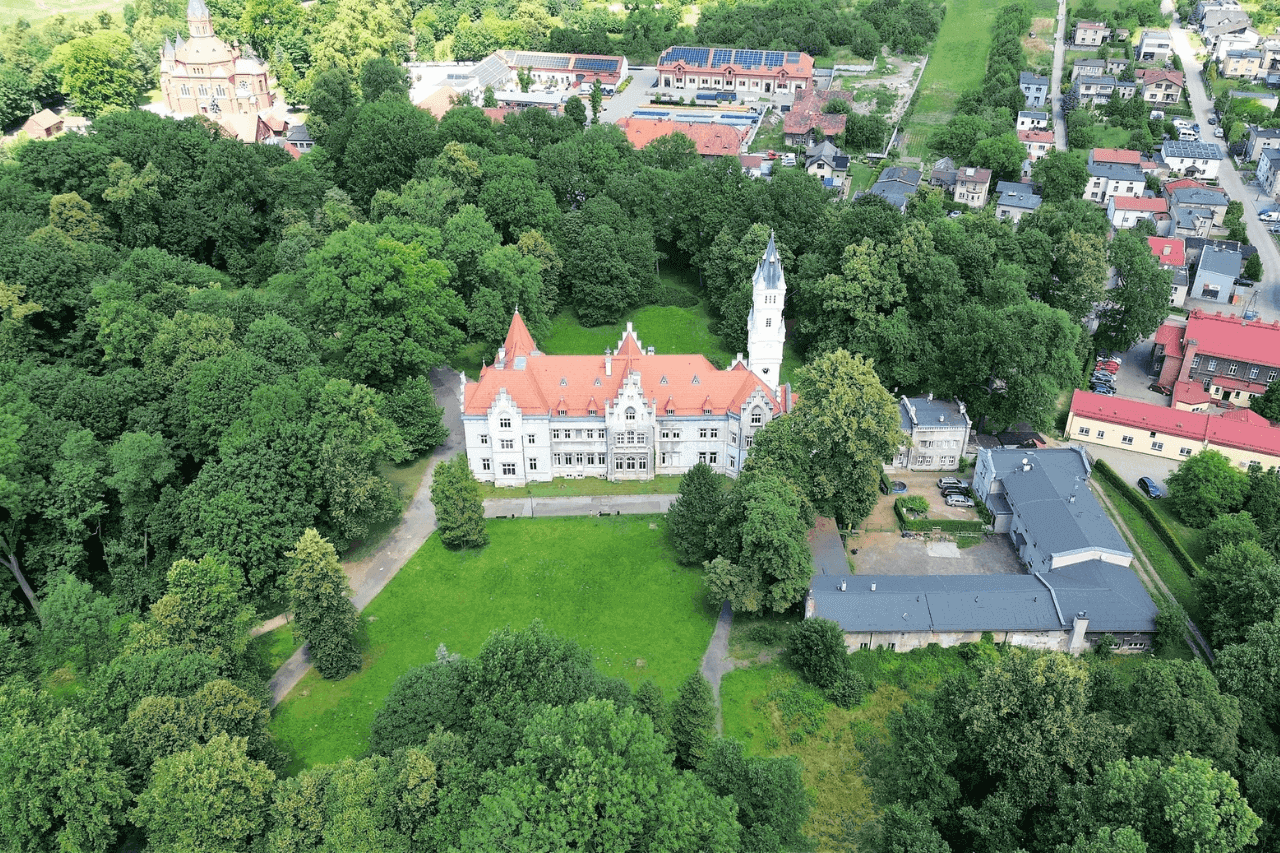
(632,98)
(1059,58)
(1268,302)
(1130,464)
(1137,372)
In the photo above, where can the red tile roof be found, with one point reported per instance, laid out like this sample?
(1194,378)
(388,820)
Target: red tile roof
(1155,205)
(1170,334)
(710,139)
(1183,183)
(1155,75)
(1231,337)
(576,384)
(1170,252)
(1190,393)
(1242,435)
(1026,136)
(1116,155)
(806,114)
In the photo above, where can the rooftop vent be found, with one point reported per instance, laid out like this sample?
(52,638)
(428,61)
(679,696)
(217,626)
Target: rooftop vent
(873,587)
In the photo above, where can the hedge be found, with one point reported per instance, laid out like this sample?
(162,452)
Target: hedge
(947,525)
(1143,506)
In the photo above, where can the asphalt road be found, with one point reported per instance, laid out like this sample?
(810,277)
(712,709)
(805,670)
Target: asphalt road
(1268,301)
(1059,58)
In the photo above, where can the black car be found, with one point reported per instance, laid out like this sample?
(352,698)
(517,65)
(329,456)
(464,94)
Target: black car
(954,490)
(1149,488)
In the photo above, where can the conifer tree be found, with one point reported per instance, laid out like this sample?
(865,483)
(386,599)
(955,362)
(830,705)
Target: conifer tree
(323,614)
(693,718)
(693,515)
(459,509)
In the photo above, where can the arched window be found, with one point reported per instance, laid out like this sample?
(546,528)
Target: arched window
(630,413)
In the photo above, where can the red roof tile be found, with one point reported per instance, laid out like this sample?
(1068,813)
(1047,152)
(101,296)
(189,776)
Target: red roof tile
(806,114)
(577,384)
(1170,252)
(1230,337)
(1198,426)
(1026,136)
(1190,393)
(710,139)
(1116,155)
(1155,75)
(1170,334)
(1183,183)
(1155,205)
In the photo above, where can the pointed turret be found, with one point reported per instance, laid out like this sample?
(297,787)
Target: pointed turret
(198,19)
(166,52)
(519,342)
(765,331)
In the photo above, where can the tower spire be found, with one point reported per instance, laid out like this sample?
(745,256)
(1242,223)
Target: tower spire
(766,333)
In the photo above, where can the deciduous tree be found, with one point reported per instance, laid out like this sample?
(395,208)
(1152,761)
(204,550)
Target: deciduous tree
(1204,487)
(459,509)
(324,617)
(692,516)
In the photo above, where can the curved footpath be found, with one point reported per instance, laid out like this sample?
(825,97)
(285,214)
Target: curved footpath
(369,576)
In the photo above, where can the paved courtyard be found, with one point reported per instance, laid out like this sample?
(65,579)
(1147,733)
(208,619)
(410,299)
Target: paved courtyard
(890,554)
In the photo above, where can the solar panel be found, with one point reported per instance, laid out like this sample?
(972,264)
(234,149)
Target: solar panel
(721,57)
(773,58)
(606,65)
(793,59)
(688,55)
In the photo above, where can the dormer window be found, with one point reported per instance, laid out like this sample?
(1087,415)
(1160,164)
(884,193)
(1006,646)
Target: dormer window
(597,381)
(563,382)
(563,413)
(663,381)
(695,379)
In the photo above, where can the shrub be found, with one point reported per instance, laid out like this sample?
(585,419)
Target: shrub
(768,633)
(913,503)
(848,691)
(677,297)
(816,650)
(1171,627)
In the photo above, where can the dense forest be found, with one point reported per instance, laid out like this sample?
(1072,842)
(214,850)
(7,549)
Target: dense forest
(107,61)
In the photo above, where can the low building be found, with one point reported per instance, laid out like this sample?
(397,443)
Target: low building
(1095,91)
(1035,88)
(45,124)
(1088,68)
(710,139)
(1191,158)
(1091,33)
(1161,86)
(1242,64)
(1037,142)
(1014,200)
(1032,120)
(1268,173)
(824,160)
(1126,212)
(567,69)
(1108,179)
(729,70)
(1213,13)
(1260,139)
(937,432)
(896,185)
(799,126)
(1198,202)
(1216,274)
(1154,46)
(1171,254)
(1243,436)
(972,186)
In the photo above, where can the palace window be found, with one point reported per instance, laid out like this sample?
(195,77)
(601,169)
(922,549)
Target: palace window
(750,441)
(508,469)
(508,443)
(757,417)
(702,457)
(715,433)
(591,458)
(486,465)
(528,439)
(504,423)
(555,459)
(484,439)
(631,414)
(768,321)
(555,434)
(1126,439)
(617,464)
(1195,361)
(1213,365)
(702,432)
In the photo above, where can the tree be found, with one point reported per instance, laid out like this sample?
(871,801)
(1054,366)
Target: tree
(380,76)
(1240,586)
(864,132)
(693,720)
(1204,487)
(382,308)
(692,516)
(816,650)
(324,617)
(412,408)
(742,586)
(79,626)
(208,799)
(350,805)
(1231,529)
(1175,707)
(772,803)
(1267,403)
(459,509)
(763,530)
(576,112)
(1003,155)
(597,98)
(1140,301)
(834,443)
(97,71)
(904,829)
(591,776)
(388,137)
(202,611)
(1253,267)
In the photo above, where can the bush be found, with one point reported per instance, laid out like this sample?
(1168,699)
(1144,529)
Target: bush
(816,650)
(1157,523)
(768,633)
(914,503)
(848,691)
(1171,627)
(676,297)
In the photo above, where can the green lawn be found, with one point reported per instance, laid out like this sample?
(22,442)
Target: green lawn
(274,647)
(957,64)
(38,10)
(563,488)
(1110,137)
(1179,583)
(612,584)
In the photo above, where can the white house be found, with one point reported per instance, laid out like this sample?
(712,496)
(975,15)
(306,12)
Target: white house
(1154,46)
(1216,274)
(1013,200)
(1031,120)
(938,433)
(1035,88)
(630,414)
(1126,211)
(1091,33)
(1203,157)
(1269,171)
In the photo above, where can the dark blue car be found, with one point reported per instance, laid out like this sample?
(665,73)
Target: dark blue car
(1149,488)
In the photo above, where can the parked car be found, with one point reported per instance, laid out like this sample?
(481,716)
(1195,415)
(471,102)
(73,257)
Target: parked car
(1149,487)
(1109,366)
(951,482)
(1104,390)
(1213,119)
(1273,228)
(1196,127)
(1160,389)
(1217,132)
(1109,356)
(1271,215)
(959,500)
(954,490)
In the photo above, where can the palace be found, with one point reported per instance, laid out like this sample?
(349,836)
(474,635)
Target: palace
(203,74)
(631,413)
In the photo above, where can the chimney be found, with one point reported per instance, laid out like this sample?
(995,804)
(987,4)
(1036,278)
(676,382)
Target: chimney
(651,351)
(1079,625)
(608,364)
(502,357)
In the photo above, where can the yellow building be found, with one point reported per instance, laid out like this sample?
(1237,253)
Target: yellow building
(205,75)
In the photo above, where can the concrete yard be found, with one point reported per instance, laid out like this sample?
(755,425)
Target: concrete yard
(890,554)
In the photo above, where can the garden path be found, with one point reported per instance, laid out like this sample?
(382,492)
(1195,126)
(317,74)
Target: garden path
(716,662)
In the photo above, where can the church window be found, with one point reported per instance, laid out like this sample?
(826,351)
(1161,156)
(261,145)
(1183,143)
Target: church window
(243,85)
(204,91)
(631,414)
(757,417)
(186,90)
(220,91)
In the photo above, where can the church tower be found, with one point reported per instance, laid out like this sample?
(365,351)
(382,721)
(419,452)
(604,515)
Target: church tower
(198,23)
(765,332)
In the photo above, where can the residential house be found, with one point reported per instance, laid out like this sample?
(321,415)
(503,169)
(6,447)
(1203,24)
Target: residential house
(300,138)
(1199,159)
(1216,274)
(1175,433)
(1124,156)
(1037,142)
(1125,89)
(1108,178)
(1091,33)
(824,160)
(896,185)
(1088,68)
(799,126)
(972,185)
(1244,64)
(1216,357)
(631,414)
(1171,254)
(1212,201)
(1270,48)
(1035,88)
(1126,212)
(1154,46)
(710,139)
(937,434)
(1161,86)
(1013,200)
(1212,13)
(1268,173)
(1031,120)
(943,174)
(1261,138)
(1224,39)
(1077,590)
(1095,91)
(45,124)
(729,70)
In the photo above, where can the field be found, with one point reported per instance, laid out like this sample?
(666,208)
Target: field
(612,584)
(957,64)
(37,10)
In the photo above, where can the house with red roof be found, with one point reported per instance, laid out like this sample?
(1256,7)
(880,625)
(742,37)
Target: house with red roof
(709,138)
(1127,211)
(730,70)
(1216,357)
(1171,254)
(1160,85)
(1037,142)
(806,117)
(1243,436)
(631,413)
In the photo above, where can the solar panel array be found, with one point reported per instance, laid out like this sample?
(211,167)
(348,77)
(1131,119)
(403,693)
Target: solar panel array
(749,58)
(602,65)
(689,55)
(721,57)
(542,60)
(774,58)
(793,58)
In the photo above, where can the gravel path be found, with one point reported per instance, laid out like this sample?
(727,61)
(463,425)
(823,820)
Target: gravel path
(716,662)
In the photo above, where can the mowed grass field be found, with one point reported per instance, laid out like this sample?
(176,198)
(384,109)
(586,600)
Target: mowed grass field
(612,584)
(37,10)
(957,64)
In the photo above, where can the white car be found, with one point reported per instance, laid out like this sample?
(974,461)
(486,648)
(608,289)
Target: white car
(1269,216)
(959,500)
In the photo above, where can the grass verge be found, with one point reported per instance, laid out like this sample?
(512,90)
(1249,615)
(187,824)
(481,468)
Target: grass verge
(274,647)
(612,584)
(563,488)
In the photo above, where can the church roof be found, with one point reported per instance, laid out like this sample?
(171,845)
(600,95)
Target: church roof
(197,9)
(686,384)
(769,267)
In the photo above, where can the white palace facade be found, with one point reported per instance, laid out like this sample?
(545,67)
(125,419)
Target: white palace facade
(630,414)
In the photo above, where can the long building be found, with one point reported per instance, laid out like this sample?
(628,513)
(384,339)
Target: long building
(630,414)
(728,70)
